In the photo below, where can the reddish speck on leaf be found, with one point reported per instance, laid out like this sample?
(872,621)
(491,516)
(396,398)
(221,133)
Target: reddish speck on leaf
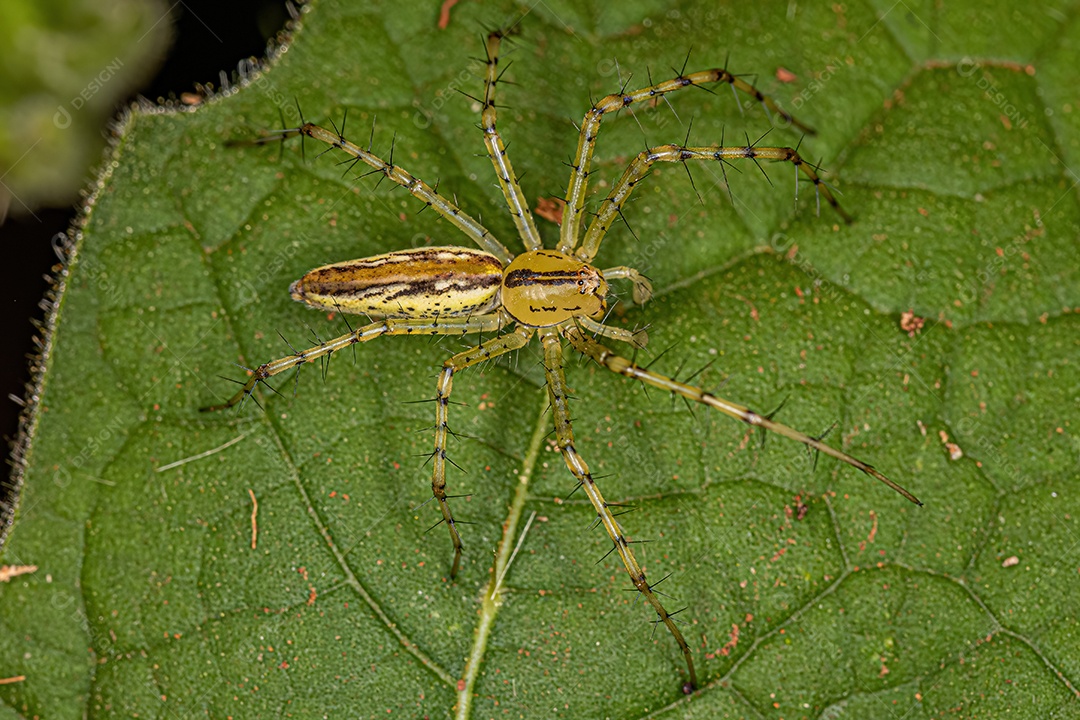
(784,75)
(444,21)
(550,209)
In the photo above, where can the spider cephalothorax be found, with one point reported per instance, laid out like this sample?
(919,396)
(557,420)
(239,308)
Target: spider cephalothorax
(542,288)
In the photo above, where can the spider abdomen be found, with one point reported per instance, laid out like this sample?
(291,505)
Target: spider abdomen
(420,283)
(545,287)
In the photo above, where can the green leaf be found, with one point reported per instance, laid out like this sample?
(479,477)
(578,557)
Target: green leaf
(937,337)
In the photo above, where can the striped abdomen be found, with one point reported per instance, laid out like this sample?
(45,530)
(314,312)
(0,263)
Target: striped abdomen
(422,283)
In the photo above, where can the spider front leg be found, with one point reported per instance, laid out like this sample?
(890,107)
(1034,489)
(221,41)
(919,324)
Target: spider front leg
(558,395)
(590,128)
(623,366)
(639,169)
(487,350)
(389,326)
(638,338)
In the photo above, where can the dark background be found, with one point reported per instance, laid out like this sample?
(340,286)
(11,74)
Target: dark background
(208,37)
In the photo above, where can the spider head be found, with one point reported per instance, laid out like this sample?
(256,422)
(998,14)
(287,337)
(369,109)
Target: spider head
(546,287)
(594,289)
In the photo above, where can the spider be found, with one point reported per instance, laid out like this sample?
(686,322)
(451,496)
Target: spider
(556,294)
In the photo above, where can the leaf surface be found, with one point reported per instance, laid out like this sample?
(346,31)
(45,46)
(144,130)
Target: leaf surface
(935,337)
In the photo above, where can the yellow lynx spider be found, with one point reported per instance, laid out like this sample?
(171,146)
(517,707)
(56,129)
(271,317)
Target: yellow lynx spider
(556,294)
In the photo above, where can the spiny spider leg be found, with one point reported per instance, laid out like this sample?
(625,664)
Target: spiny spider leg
(419,189)
(508,181)
(637,338)
(639,167)
(389,326)
(608,358)
(590,127)
(487,350)
(557,394)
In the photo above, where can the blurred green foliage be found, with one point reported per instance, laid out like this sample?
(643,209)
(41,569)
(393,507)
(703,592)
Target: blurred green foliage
(65,65)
